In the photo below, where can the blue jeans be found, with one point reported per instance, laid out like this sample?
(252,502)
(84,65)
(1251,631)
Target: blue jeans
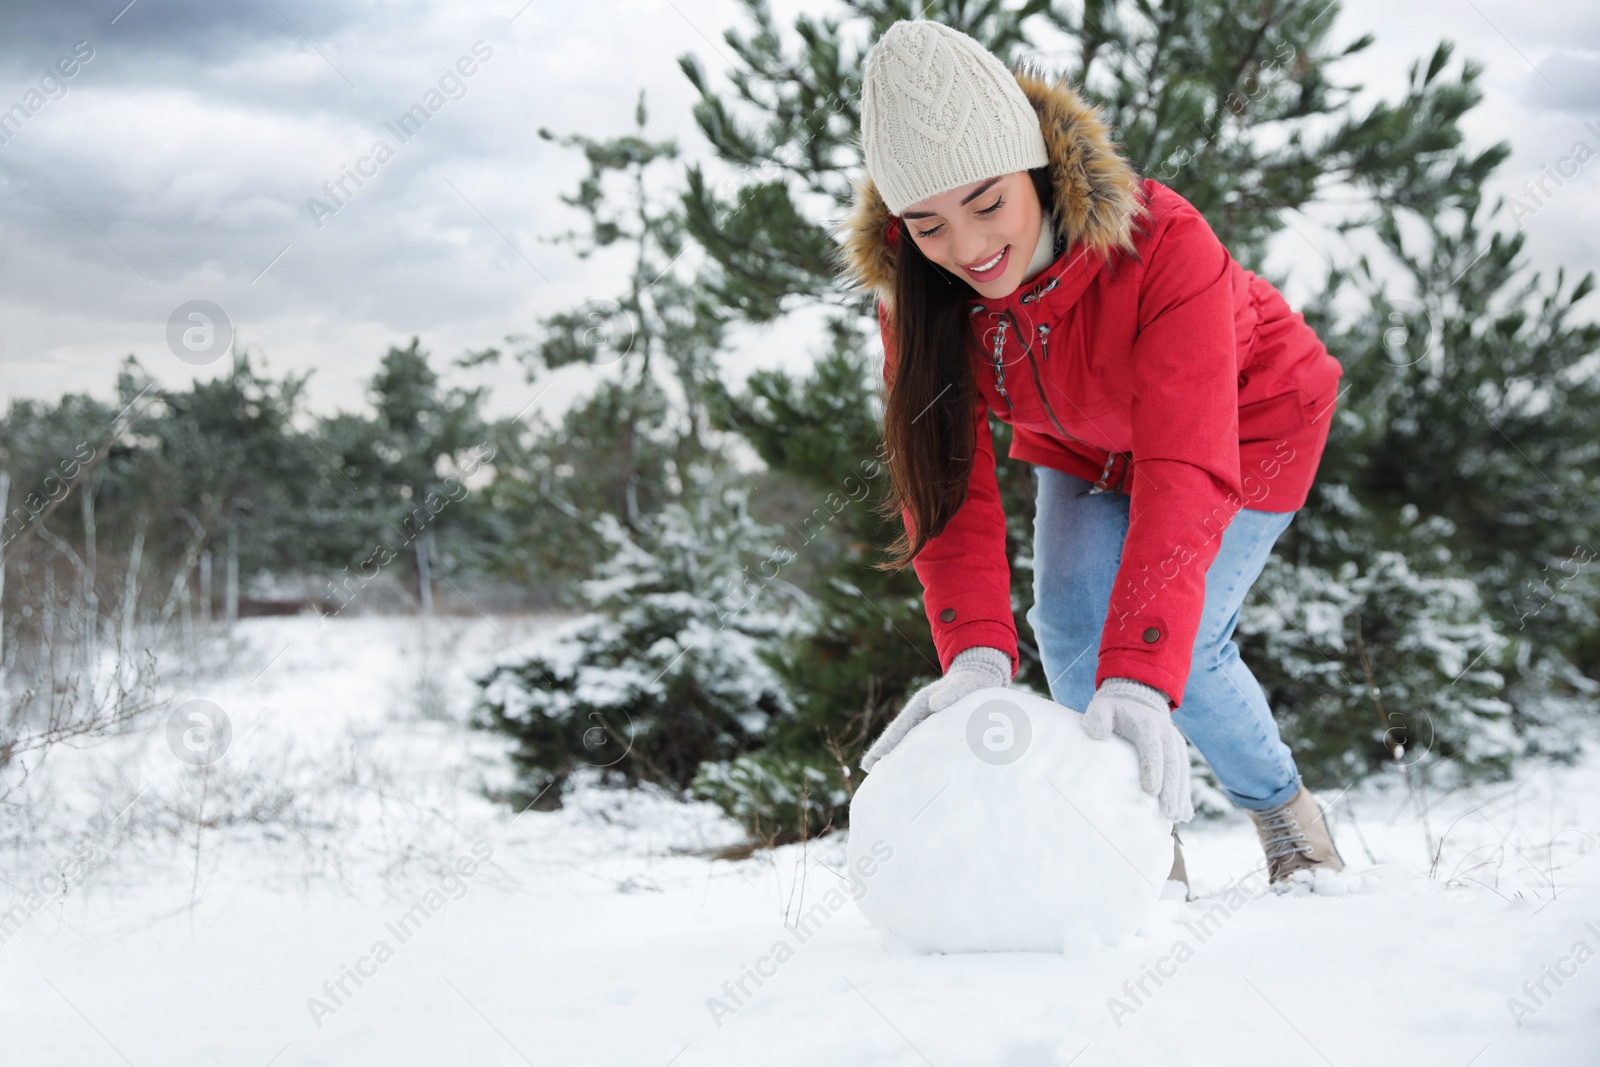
(1077,547)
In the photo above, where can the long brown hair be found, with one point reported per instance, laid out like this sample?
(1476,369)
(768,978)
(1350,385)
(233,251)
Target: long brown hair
(928,423)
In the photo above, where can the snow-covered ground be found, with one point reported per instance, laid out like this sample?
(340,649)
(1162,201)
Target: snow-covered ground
(334,890)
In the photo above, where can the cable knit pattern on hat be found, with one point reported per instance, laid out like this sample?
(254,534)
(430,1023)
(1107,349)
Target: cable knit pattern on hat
(939,111)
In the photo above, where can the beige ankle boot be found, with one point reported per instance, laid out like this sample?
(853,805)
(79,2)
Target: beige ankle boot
(1295,837)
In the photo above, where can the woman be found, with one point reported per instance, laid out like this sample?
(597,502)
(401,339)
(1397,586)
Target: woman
(1174,405)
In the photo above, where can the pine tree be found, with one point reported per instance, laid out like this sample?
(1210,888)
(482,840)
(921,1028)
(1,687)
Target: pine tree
(1238,108)
(668,672)
(623,448)
(1468,451)
(423,426)
(221,470)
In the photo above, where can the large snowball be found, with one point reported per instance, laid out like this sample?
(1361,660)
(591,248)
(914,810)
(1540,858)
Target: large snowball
(999,825)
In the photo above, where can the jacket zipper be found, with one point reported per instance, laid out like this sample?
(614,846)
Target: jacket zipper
(1101,485)
(999,365)
(1039,382)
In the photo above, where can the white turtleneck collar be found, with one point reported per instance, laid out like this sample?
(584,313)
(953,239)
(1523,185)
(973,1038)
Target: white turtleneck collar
(1044,250)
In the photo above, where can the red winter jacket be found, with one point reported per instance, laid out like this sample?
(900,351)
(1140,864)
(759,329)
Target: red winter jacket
(1178,378)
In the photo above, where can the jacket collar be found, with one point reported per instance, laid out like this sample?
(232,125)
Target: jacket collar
(1057,286)
(1096,193)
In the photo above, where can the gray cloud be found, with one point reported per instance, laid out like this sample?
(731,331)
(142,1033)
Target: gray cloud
(1568,81)
(153,38)
(192,140)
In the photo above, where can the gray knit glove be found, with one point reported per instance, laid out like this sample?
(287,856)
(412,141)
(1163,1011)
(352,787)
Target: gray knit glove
(972,669)
(1138,713)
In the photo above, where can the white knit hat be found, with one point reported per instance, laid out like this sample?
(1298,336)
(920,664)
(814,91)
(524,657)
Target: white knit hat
(938,111)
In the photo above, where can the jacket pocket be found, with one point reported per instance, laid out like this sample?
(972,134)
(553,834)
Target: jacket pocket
(1271,419)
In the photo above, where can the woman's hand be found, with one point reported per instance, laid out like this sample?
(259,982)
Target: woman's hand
(1138,713)
(971,670)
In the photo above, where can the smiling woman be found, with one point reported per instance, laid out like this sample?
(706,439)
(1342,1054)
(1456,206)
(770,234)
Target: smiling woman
(988,231)
(1024,268)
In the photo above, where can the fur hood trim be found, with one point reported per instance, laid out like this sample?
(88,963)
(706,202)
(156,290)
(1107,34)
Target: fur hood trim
(1096,190)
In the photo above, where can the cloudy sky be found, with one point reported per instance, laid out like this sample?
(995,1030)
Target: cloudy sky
(176,162)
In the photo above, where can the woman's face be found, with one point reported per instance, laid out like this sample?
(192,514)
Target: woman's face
(984,232)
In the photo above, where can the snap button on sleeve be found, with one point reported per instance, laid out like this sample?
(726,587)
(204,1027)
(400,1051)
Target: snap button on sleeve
(947,615)
(1150,635)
